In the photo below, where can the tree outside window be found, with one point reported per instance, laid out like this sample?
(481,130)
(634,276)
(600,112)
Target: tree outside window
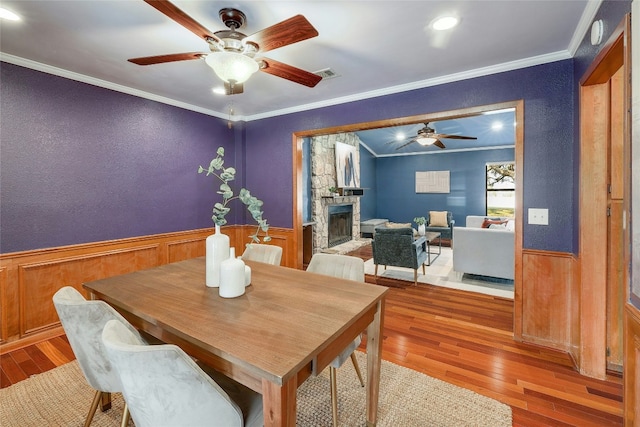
(501,189)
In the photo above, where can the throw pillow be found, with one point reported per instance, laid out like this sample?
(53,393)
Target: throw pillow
(502,226)
(438,219)
(489,221)
(398,225)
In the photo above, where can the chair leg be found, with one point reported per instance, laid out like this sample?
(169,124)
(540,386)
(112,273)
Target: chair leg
(92,410)
(423,270)
(125,415)
(375,272)
(334,395)
(415,277)
(357,368)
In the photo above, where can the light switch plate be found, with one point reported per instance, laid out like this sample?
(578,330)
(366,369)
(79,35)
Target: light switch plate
(538,216)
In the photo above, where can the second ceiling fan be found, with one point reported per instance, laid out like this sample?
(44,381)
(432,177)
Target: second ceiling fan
(232,54)
(428,136)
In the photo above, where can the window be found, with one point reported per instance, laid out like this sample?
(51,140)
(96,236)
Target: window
(501,189)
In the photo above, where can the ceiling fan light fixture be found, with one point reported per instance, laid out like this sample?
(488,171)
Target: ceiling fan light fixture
(422,140)
(444,23)
(232,66)
(8,15)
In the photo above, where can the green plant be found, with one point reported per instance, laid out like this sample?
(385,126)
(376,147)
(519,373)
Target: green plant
(420,220)
(221,209)
(333,190)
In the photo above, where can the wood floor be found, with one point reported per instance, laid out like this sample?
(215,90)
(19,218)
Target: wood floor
(459,337)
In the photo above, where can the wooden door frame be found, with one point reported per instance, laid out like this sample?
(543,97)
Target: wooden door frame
(589,343)
(297,139)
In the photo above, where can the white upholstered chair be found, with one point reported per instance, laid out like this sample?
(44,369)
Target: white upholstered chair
(269,254)
(83,321)
(163,386)
(344,267)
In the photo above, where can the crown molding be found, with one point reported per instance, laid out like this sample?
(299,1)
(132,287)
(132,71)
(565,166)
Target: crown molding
(445,151)
(478,72)
(584,25)
(38,66)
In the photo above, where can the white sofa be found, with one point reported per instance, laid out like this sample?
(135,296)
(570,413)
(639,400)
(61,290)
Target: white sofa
(484,251)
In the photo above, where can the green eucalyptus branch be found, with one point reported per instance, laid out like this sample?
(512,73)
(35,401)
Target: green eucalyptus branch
(221,209)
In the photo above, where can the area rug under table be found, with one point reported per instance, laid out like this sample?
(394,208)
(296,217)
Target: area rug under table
(61,397)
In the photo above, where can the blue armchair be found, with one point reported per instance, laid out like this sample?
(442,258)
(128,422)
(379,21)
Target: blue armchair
(446,231)
(396,247)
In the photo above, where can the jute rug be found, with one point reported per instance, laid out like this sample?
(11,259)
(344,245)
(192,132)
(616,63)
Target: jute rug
(61,397)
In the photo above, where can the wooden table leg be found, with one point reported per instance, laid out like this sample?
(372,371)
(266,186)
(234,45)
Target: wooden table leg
(374,361)
(279,403)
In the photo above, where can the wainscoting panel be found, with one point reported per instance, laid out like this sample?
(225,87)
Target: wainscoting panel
(29,279)
(3,304)
(546,289)
(39,281)
(185,249)
(632,366)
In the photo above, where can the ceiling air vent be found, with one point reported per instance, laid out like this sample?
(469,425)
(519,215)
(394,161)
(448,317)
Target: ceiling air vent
(327,74)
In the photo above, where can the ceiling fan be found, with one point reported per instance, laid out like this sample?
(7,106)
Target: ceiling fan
(428,136)
(232,54)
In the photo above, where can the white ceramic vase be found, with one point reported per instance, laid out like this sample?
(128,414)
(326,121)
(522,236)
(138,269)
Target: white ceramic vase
(247,275)
(217,250)
(232,276)
(421,229)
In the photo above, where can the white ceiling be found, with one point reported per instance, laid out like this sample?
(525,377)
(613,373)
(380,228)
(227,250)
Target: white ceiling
(376,47)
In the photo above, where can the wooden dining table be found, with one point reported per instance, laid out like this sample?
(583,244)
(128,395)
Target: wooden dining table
(290,324)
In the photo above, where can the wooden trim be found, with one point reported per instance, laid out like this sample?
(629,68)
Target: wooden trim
(595,123)
(611,56)
(28,279)
(421,118)
(298,186)
(3,304)
(631,366)
(594,140)
(519,277)
(546,302)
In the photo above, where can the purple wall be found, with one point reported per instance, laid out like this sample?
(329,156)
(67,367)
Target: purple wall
(80,163)
(547,91)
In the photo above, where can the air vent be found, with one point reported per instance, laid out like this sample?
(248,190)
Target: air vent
(327,74)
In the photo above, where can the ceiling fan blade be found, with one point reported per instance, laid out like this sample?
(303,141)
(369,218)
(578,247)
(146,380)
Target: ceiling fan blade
(289,72)
(403,139)
(173,12)
(149,60)
(287,32)
(404,145)
(442,135)
(233,89)
(439,143)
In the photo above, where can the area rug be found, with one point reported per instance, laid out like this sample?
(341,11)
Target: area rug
(441,273)
(61,397)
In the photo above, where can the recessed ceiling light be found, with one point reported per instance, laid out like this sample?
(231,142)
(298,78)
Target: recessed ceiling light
(444,23)
(219,90)
(8,15)
(400,136)
(496,125)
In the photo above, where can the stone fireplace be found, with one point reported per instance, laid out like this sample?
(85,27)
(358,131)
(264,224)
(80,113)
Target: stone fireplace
(323,176)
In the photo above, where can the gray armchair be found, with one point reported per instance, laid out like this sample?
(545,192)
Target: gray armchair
(396,247)
(445,231)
